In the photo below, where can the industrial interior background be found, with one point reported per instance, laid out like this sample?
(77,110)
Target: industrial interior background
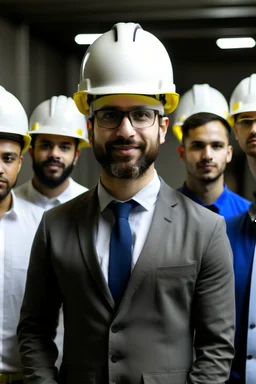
(39,58)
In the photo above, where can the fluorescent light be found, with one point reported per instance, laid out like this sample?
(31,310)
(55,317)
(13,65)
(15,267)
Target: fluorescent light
(86,38)
(236,42)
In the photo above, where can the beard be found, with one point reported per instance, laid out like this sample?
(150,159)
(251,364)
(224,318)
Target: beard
(51,181)
(121,168)
(206,178)
(7,189)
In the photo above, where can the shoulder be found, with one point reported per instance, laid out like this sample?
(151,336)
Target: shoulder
(72,208)
(77,188)
(190,214)
(27,210)
(238,223)
(21,191)
(238,199)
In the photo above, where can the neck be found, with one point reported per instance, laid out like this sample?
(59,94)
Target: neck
(49,192)
(5,204)
(252,165)
(125,189)
(208,193)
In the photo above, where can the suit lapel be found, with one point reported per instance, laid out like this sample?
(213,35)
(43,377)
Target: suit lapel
(87,218)
(154,247)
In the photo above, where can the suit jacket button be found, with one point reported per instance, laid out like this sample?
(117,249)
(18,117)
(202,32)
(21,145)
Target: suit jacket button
(115,358)
(252,325)
(115,328)
(249,357)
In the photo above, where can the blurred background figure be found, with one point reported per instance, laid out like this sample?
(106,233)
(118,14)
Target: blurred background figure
(58,132)
(18,223)
(202,127)
(242,235)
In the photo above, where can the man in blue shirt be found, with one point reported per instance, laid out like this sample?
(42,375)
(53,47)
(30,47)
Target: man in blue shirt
(242,235)
(205,151)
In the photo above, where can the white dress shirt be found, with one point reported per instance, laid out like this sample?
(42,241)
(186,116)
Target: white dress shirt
(140,220)
(17,230)
(27,192)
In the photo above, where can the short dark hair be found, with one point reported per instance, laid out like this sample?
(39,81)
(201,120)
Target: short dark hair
(202,118)
(13,137)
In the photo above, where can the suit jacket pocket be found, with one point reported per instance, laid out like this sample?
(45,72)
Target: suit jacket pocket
(174,289)
(175,377)
(182,270)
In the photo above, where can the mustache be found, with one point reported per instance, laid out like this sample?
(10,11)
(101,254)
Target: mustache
(122,141)
(205,162)
(52,161)
(3,180)
(251,137)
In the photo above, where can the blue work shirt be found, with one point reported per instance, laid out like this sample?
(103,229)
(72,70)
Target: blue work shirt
(228,204)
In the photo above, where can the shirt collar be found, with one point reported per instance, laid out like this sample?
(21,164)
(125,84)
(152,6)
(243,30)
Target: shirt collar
(146,197)
(38,197)
(218,203)
(13,211)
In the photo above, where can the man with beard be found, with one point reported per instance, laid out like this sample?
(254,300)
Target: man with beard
(58,133)
(144,274)
(242,234)
(201,125)
(17,230)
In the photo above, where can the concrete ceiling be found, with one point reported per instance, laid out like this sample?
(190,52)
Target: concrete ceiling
(188,28)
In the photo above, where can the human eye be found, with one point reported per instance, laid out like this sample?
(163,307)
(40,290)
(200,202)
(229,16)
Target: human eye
(245,122)
(108,115)
(65,147)
(8,159)
(217,145)
(45,146)
(142,114)
(197,145)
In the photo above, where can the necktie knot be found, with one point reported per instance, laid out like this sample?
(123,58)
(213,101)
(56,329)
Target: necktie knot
(122,210)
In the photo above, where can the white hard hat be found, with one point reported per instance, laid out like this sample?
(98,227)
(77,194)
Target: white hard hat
(59,116)
(13,118)
(126,60)
(200,98)
(243,98)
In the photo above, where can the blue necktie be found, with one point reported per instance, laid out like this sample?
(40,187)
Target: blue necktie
(120,251)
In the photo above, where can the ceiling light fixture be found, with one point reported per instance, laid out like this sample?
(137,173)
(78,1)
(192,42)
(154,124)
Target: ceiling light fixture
(86,38)
(236,42)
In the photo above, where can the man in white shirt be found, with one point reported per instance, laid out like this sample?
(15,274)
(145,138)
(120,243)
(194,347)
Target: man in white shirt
(58,132)
(139,292)
(17,229)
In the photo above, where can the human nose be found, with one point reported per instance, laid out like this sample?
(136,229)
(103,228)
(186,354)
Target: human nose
(125,128)
(1,167)
(207,152)
(54,151)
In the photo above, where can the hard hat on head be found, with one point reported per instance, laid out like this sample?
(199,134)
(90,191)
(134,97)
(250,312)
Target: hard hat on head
(59,116)
(126,60)
(13,118)
(200,98)
(243,98)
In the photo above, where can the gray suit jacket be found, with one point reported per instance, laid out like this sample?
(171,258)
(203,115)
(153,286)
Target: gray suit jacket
(180,294)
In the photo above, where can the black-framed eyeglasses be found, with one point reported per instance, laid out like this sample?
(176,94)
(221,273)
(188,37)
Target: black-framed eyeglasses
(246,122)
(139,118)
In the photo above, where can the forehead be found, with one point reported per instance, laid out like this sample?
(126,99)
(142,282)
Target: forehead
(126,101)
(7,146)
(212,131)
(54,139)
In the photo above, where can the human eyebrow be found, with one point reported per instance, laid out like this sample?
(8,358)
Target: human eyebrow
(13,154)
